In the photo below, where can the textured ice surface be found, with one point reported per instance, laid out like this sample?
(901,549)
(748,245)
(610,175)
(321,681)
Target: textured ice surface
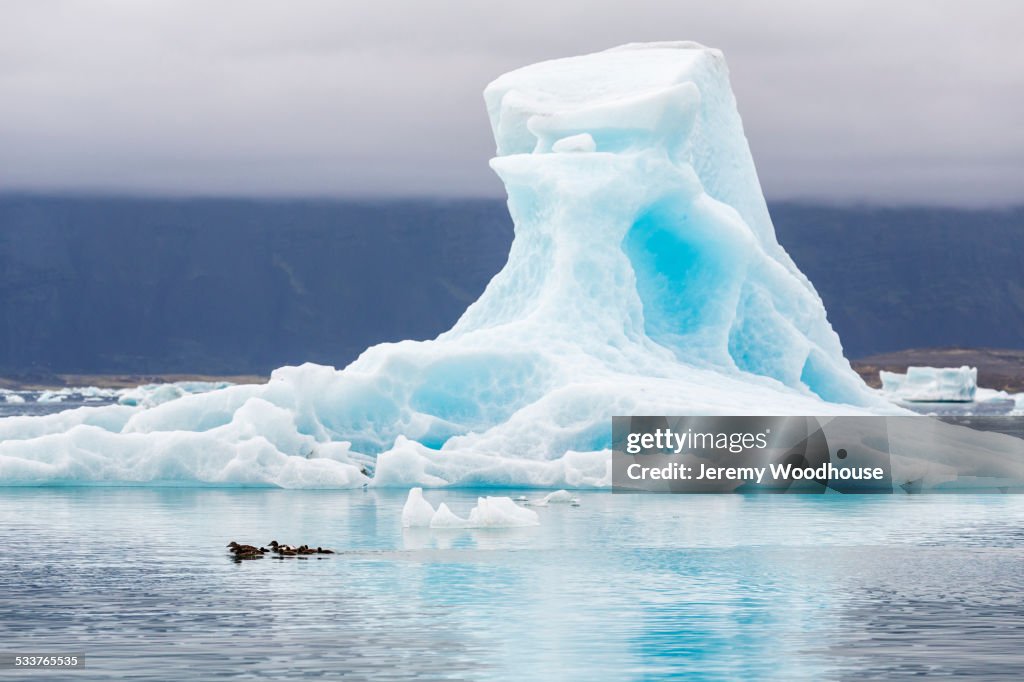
(644,278)
(932,384)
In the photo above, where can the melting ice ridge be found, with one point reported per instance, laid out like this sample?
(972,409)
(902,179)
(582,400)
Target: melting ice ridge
(644,278)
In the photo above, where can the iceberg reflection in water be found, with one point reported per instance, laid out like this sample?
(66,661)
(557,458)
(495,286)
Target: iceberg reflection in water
(623,586)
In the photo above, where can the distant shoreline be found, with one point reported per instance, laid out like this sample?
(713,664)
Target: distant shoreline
(120,380)
(1000,369)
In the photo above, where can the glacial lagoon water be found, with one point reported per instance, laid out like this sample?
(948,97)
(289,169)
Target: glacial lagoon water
(621,587)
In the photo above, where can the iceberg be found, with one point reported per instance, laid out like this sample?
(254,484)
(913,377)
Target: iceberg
(644,278)
(931,384)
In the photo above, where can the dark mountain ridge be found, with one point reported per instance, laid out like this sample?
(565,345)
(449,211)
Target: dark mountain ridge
(222,286)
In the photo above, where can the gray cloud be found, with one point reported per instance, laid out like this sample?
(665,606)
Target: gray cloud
(878,101)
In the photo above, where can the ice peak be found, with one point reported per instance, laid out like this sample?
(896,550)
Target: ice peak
(656,217)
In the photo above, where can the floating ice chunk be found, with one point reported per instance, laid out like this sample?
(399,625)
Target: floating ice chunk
(559,496)
(417,512)
(13,399)
(489,512)
(932,384)
(501,512)
(50,397)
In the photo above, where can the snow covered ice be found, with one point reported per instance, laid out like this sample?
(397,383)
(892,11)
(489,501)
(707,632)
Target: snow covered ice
(644,278)
(932,384)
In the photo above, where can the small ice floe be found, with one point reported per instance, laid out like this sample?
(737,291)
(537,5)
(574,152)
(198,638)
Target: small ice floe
(557,497)
(489,512)
(13,399)
(931,384)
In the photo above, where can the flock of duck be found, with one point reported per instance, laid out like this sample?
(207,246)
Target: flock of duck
(275,548)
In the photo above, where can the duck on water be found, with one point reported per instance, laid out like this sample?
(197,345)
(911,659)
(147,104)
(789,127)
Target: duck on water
(241,551)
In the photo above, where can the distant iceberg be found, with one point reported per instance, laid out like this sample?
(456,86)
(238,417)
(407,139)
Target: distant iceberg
(644,278)
(932,384)
(148,395)
(151,395)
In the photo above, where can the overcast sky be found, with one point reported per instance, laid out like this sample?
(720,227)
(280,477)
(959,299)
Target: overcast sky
(904,102)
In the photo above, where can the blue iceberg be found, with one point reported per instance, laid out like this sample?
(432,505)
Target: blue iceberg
(644,278)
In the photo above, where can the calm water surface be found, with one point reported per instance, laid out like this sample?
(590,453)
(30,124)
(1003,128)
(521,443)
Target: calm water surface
(621,587)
